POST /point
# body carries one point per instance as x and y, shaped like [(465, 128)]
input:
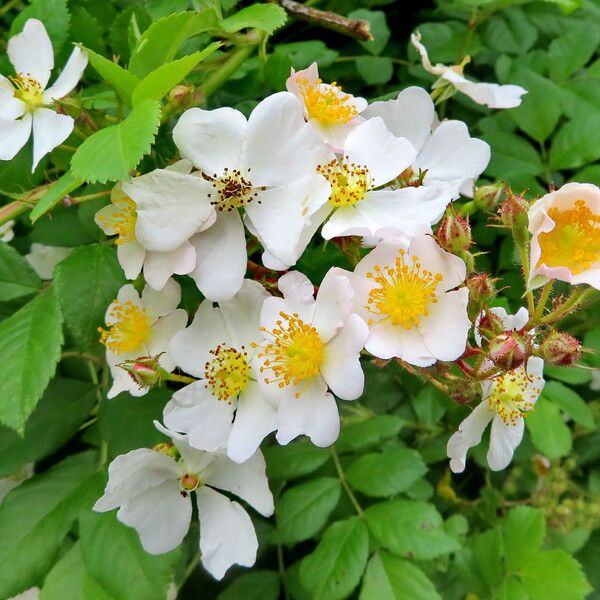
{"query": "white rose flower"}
[(489, 94), (226, 407), (139, 327), (153, 489), (43, 259), (24, 99), (309, 346), (407, 297)]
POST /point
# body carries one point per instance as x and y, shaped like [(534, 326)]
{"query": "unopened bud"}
[(189, 482), (489, 325), (481, 289), (560, 349), (464, 391), (167, 449), (513, 215), (487, 197), (145, 371), (454, 233), (510, 349), (180, 94)]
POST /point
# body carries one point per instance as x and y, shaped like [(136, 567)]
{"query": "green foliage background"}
[(378, 517)]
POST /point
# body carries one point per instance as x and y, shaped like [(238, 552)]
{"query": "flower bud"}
[(167, 449), (513, 215), (489, 325), (510, 349), (180, 94), (464, 391), (189, 482), (481, 287), (454, 233), (486, 197), (145, 371), (560, 349)]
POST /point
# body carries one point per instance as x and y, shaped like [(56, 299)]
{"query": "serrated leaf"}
[(266, 17), (54, 194), (304, 509), (334, 569), (387, 473), (294, 460), (86, 282), (549, 433), (54, 14), (111, 153), (17, 278), (36, 517), (375, 70), (160, 82), (391, 578), (159, 44), (572, 50), (30, 342), (524, 529), (371, 431), (122, 80), (257, 585), (512, 154), (509, 31), (575, 144), (410, 528)]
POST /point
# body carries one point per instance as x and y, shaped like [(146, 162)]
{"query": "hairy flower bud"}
[(560, 349), (481, 288), (510, 349), (167, 449), (486, 197), (489, 325), (513, 215), (454, 233), (145, 371)]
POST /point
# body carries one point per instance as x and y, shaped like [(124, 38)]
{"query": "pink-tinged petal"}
[(159, 266), (49, 130), (332, 304), (310, 74), (69, 77), (504, 439), (211, 139), (341, 369), (131, 257), (30, 52), (227, 536), (393, 341)]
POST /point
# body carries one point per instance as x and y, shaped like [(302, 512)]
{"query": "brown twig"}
[(358, 29)]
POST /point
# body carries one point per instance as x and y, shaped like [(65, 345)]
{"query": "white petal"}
[(247, 480), (503, 441), (332, 304), (388, 341), (10, 107), (298, 298), (161, 516), (49, 130), (206, 419), (468, 435), (221, 257), (520, 319), (14, 135), (227, 536), (255, 418), (159, 266), (211, 139), (171, 207), (43, 259), (160, 303), (131, 257), (69, 77), (314, 413), (30, 52), (162, 332), (342, 370), (489, 94), (373, 146)]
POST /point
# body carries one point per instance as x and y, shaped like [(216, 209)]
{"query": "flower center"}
[(575, 240), (404, 292), (228, 373), (29, 90), (295, 352), (512, 395), (122, 221), (188, 482), (326, 104), (349, 182), (131, 328), (232, 190)]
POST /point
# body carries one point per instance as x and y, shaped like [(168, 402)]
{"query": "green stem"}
[(190, 569), (218, 79), (542, 301), (80, 199), (82, 356), (523, 250), (281, 568), (342, 478), (568, 306), (9, 6)]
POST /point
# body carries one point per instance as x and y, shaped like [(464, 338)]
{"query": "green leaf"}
[(488, 553), (387, 473), (430, 404), (572, 49), (294, 460), (257, 585), (575, 144), (334, 569), (111, 153), (447, 42), (122, 80), (86, 282), (549, 433), (390, 578), (30, 342), (159, 44), (410, 528), (266, 17), (509, 31), (36, 517), (580, 96), (136, 575), (54, 14), (86, 30), (54, 194), (379, 29), (375, 70), (571, 403), (571, 375), (304, 509), (554, 575), (512, 154), (17, 278), (370, 432), (160, 82), (567, 6), (524, 530), (64, 406)]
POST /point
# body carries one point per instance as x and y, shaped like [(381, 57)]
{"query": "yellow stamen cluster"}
[(574, 242), (513, 394), (326, 104), (349, 182), (295, 353), (121, 222), (130, 331), (29, 90), (403, 293), (233, 190), (228, 372)]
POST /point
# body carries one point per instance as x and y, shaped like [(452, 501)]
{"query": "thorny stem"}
[(542, 301), (523, 250), (342, 478), (569, 305)]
